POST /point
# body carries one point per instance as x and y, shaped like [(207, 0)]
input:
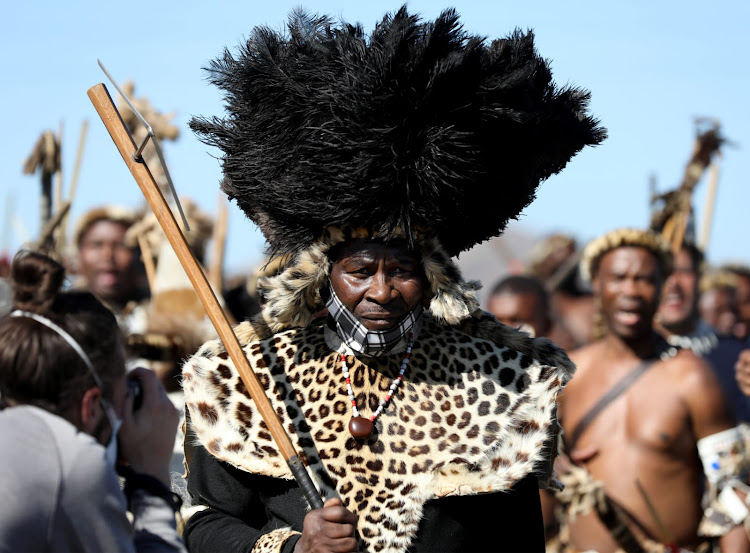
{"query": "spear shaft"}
[(106, 109)]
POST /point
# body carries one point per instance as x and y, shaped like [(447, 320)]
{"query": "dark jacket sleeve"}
[(242, 506)]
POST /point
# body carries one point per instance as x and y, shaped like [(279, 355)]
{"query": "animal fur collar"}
[(292, 298), (475, 414)]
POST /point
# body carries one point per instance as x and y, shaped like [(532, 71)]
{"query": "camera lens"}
[(137, 390)]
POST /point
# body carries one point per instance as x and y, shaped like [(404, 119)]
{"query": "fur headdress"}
[(738, 269), (114, 213), (621, 238), (718, 279), (417, 130)]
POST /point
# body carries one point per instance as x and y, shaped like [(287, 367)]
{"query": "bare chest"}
[(650, 415)]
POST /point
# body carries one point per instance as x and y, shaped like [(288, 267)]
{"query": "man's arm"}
[(248, 511), (703, 396), (236, 516), (710, 415)]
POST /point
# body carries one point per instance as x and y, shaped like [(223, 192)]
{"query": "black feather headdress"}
[(417, 131), (416, 128)]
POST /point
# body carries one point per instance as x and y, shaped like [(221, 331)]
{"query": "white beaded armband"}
[(725, 455), (726, 463)]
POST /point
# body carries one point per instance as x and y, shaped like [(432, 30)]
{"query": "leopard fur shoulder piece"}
[(475, 413), (484, 325)]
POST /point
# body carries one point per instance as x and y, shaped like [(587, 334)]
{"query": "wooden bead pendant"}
[(360, 427)]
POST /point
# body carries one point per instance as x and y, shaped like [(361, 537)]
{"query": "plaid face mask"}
[(370, 342)]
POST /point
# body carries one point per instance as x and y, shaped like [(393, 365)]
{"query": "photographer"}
[(65, 402)]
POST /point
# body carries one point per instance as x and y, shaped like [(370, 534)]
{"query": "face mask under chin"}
[(114, 423)]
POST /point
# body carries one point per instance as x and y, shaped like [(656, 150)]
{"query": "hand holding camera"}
[(149, 426), (135, 389)]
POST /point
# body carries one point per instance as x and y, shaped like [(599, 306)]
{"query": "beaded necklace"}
[(361, 427)]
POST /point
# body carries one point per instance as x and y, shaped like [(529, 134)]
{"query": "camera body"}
[(136, 389)]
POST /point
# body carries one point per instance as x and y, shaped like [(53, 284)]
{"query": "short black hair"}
[(696, 256), (522, 284)]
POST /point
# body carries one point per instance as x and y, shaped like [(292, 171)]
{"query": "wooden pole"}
[(46, 242), (708, 214), (58, 173), (124, 142), (79, 157), (218, 244), (5, 236), (74, 177), (50, 164), (666, 535), (147, 256), (59, 243)]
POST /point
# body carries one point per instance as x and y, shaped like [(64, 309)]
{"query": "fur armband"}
[(726, 463), (274, 541)]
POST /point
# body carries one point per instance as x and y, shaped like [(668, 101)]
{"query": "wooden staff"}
[(59, 244), (79, 157), (666, 535), (708, 214), (74, 180), (218, 243), (58, 182), (45, 155), (46, 242), (106, 109), (147, 256)]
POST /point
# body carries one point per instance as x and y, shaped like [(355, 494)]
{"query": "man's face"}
[(743, 305), (378, 283), (628, 284), (718, 307), (678, 307), (107, 264), (521, 310)]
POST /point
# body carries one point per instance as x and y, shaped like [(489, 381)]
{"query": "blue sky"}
[(651, 67)]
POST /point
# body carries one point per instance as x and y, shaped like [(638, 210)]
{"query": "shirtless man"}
[(742, 272), (554, 261), (642, 446), (106, 264), (717, 303), (520, 301), (678, 319)]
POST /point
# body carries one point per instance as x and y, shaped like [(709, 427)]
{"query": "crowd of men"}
[(598, 401), (633, 471), (666, 370)]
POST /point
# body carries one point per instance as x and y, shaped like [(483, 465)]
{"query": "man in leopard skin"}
[(424, 423)]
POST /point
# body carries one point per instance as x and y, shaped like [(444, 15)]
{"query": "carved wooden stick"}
[(124, 142)]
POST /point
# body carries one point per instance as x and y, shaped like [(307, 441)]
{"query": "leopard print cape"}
[(475, 413)]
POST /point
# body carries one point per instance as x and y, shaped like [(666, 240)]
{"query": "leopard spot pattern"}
[(458, 425)]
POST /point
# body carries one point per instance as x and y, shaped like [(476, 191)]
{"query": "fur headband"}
[(114, 213), (624, 237)]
